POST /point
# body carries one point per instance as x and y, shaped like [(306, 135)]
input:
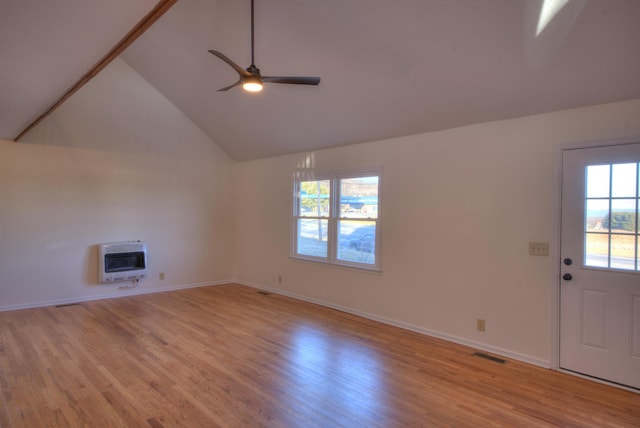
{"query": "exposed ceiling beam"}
[(136, 31)]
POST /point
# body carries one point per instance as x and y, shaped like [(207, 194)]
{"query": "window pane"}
[(624, 180), (597, 217), (622, 251), (357, 241), (336, 219), (623, 216), (596, 250), (359, 197), (312, 237), (611, 238), (314, 198), (598, 181)]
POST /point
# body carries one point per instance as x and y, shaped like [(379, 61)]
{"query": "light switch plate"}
[(538, 248)]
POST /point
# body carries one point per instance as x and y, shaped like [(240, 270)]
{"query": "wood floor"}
[(229, 356)]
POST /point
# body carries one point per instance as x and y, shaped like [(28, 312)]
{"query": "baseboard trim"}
[(113, 295), (406, 326)]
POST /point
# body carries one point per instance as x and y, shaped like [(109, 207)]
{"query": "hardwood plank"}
[(229, 356)]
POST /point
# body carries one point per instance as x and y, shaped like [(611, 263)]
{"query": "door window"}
[(611, 211)]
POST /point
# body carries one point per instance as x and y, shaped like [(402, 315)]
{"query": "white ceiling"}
[(47, 46), (388, 68)]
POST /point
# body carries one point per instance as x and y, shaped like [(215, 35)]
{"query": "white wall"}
[(116, 162), (459, 208)]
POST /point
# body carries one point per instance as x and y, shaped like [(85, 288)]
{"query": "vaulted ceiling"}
[(388, 68)]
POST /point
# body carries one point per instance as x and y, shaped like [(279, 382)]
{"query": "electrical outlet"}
[(161, 276), (538, 249), (480, 325)]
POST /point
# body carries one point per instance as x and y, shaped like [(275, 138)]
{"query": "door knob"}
[(567, 277), (567, 261)]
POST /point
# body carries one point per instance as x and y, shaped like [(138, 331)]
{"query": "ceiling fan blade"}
[(294, 80), (226, 88), (241, 71)]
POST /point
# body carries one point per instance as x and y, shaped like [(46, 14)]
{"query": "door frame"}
[(555, 247)]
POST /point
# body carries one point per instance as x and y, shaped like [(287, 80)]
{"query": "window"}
[(612, 198), (336, 219)]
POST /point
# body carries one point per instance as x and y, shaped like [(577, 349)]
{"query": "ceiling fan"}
[(251, 79)]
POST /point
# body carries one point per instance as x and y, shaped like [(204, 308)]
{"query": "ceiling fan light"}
[(252, 85)]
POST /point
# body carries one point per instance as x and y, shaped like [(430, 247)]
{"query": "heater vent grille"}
[(489, 357)]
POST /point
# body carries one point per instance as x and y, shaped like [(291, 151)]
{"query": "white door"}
[(600, 263)]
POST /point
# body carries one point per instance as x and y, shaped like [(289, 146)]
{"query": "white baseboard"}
[(406, 326), (113, 295)]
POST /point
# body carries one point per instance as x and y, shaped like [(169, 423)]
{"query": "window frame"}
[(334, 217)]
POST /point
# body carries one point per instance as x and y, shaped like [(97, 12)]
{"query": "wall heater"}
[(122, 261)]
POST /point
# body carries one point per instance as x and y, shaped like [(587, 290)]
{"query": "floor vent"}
[(67, 304), (265, 293), (489, 357)]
